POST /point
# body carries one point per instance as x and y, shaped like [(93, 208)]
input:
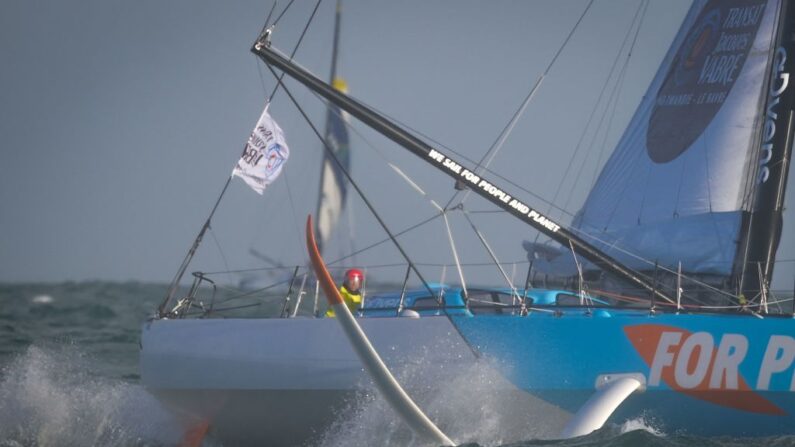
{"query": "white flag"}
[(264, 155)]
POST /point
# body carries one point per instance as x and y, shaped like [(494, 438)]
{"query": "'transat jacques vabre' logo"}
[(702, 74)]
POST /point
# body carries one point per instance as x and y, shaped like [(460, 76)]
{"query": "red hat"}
[(353, 273)]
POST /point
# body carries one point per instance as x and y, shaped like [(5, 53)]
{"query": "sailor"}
[(350, 291), (743, 302)]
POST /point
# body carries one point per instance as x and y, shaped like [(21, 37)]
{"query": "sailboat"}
[(718, 117)]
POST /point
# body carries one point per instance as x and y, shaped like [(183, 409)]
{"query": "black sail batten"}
[(485, 188), (765, 221)]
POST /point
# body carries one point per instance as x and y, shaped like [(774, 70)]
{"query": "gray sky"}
[(121, 120)]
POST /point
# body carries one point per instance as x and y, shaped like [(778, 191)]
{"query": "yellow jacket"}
[(352, 300)]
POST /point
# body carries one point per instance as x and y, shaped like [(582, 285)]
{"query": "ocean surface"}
[(69, 377)]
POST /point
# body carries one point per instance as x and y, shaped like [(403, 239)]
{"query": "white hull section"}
[(286, 381), (291, 354)]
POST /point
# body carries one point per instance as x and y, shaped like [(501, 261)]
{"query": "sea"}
[(69, 377)]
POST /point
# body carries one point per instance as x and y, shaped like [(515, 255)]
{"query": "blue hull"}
[(705, 374)]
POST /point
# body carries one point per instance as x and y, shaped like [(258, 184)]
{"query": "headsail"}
[(684, 173)]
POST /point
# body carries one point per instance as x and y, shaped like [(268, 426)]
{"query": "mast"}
[(763, 231), (485, 188), (335, 46)]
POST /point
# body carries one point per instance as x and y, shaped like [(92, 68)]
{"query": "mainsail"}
[(332, 181), (682, 181)]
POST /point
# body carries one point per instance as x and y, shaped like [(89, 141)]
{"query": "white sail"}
[(675, 188)]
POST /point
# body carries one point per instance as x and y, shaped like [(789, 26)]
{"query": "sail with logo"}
[(685, 183)]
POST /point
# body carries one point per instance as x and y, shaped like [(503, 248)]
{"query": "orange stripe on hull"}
[(646, 338)]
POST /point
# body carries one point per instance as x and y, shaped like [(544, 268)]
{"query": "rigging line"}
[(585, 234), (172, 288), (622, 77), (592, 115), (403, 175), (610, 113), (270, 98), (375, 244), (443, 212), (491, 254), (221, 252), (295, 50), (441, 145), (183, 267), (253, 269), (367, 142), (487, 211), (283, 11), (455, 252), (394, 167), (500, 140), (605, 112), (261, 77), (471, 264), (369, 266), (292, 209), (333, 156), (254, 292), (612, 98), (633, 167), (432, 140), (268, 19)]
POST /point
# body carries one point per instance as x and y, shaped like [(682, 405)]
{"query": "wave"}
[(51, 397)]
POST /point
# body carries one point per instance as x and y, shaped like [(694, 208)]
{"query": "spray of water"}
[(641, 423), (49, 397), (475, 404)]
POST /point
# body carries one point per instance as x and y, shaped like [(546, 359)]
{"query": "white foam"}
[(48, 397), (42, 299), (476, 405), (640, 423)]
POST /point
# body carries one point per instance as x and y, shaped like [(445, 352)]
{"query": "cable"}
[(298, 44), (333, 156), (498, 142), (283, 11)]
